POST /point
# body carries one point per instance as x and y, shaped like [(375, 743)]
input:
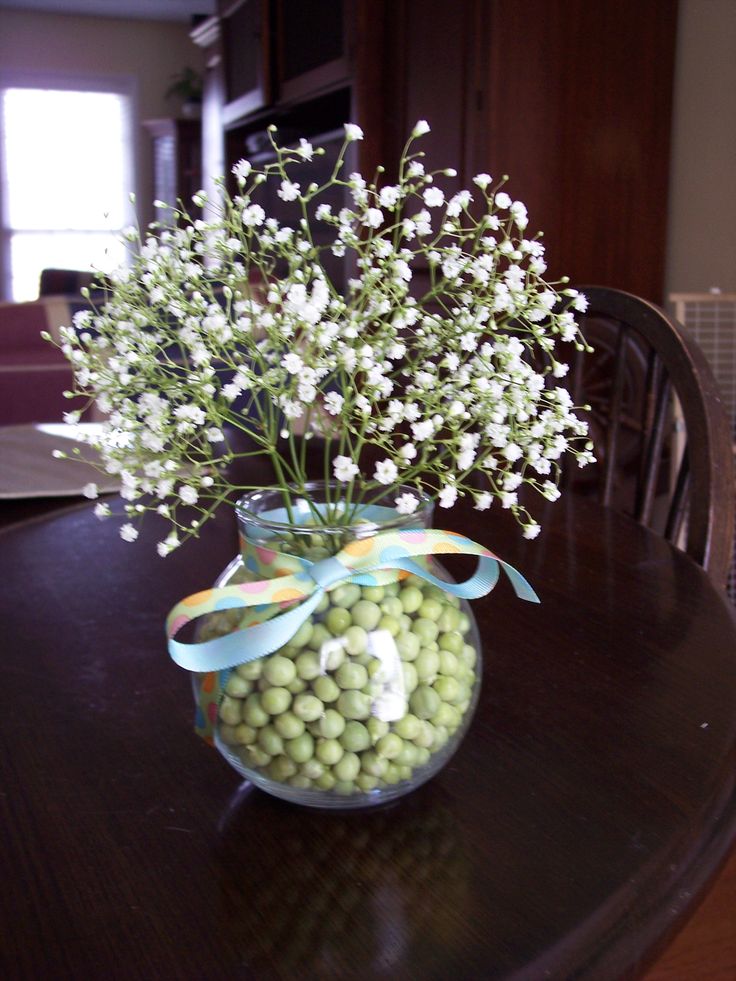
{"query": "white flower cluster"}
[(439, 361)]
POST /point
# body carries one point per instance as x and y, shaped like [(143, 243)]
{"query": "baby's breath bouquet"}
[(437, 361)]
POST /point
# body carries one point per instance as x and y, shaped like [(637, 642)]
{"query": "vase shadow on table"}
[(348, 894)]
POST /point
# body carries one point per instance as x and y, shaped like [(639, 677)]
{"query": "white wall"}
[(149, 51), (701, 251)]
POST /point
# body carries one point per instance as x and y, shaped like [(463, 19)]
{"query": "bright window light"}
[(67, 175)]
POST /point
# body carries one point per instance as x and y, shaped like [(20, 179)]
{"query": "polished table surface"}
[(587, 809)]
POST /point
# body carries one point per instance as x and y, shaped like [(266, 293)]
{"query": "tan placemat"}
[(28, 468)]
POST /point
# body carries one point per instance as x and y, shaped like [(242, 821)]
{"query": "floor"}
[(705, 950)]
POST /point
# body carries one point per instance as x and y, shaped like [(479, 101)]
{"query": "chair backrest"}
[(663, 440)]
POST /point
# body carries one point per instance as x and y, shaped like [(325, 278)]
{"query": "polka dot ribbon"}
[(279, 605)]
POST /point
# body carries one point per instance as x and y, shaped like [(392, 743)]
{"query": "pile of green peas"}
[(309, 716)]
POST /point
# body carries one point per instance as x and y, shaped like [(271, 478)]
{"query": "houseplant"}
[(231, 324)]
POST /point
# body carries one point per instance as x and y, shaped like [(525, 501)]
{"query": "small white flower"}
[(531, 530), (188, 494), (483, 501), (373, 218), (305, 149), (292, 362), (215, 435), (253, 215), (334, 403), (101, 510), (344, 469), (502, 200), (353, 132), (241, 169), (448, 496), (288, 191), (128, 533), (434, 197), (421, 128), (90, 491), (408, 451), (407, 503), (386, 472), (482, 181)]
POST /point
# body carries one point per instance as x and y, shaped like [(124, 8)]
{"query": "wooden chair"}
[(663, 440)]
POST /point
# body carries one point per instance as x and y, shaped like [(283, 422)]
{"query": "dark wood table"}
[(589, 806)]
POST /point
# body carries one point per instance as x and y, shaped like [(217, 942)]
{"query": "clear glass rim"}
[(250, 507)]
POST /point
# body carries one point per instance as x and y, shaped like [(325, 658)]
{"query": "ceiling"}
[(181, 10)]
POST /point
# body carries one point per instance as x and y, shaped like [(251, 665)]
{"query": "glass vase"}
[(373, 694)]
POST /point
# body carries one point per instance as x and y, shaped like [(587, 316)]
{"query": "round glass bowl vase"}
[(373, 694)]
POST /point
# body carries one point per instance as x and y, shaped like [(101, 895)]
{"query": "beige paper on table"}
[(28, 468)]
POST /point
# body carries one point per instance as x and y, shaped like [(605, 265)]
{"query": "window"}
[(66, 166)]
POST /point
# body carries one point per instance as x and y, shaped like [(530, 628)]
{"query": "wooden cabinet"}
[(177, 162), (571, 99)]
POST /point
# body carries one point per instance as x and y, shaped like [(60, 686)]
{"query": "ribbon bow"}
[(368, 562)]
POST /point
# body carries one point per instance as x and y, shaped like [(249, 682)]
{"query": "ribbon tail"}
[(244, 645)]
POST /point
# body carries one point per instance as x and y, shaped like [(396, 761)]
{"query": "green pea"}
[(464, 623), (451, 641), (245, 735), (331, 725), (296, 686), (447, 688), (446, 715), (238, 687), (431, 609), (303, 634), (307, 707), (345, 595), (411, 599), (448, 619), (328, 751), (276, 700), (281, 768), (312, 768), (338, 620), (355, 737), (301, 748), (325, 781), (407, 727), (373, 764), (441, 735), (389, 746), (307, 665), (389, 623), (376, 728), (366, 614), (279, 670), (366, 782), (427, 665), (426, 630), (408, 755), (227, 734), (423, 756), (300, 781), (424, 702), (320, 635), (324, 604), (254, 713), (326, 688), (355, 640), (351, 675), (404, 772), (344, 787), (408, 646), (448, 662), (288, 725), (390, 606), (270, 741), (354, 704), (411, 678), (374, 593), (392, 774), (254, 756), (347, 767), (469, 655), (251, 671), (231, 710), (425, 737)]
